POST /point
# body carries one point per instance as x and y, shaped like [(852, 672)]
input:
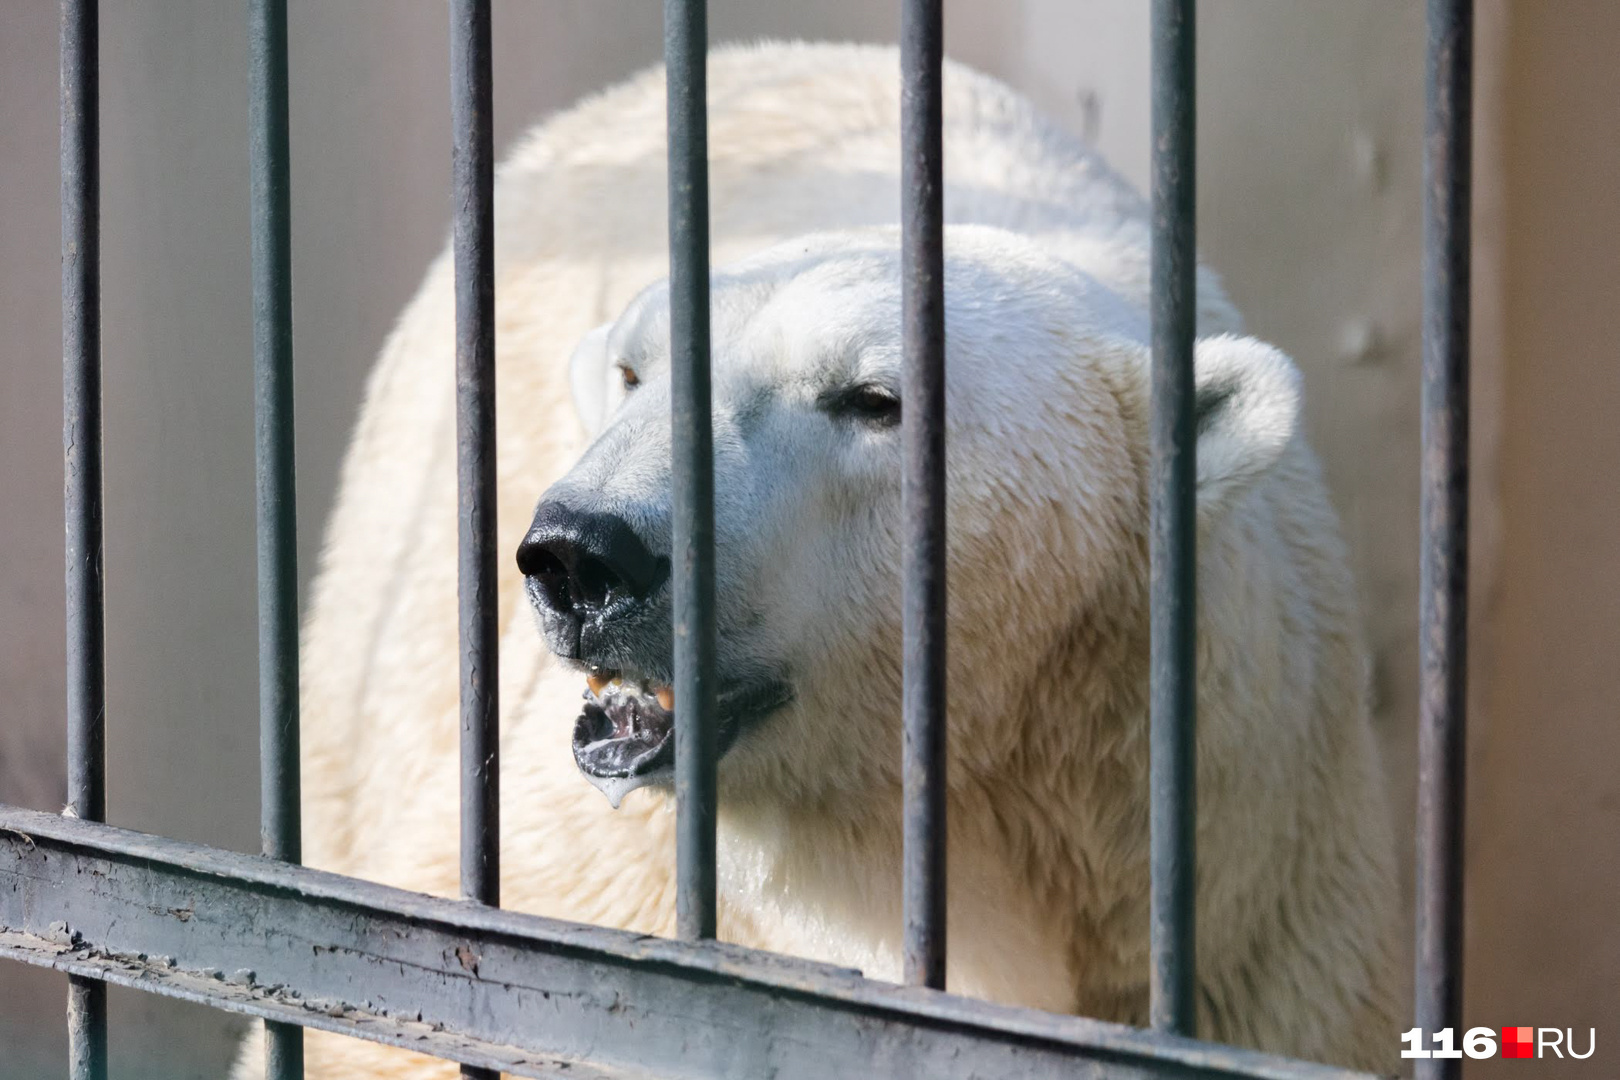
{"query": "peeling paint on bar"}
[(344, 955), (279, 1003)]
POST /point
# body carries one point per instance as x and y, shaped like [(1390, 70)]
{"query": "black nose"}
[(582, 562)]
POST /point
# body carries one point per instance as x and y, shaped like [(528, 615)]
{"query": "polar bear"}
[(1046, 286)]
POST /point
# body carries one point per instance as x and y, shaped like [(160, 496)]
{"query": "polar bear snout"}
[(586, 568)]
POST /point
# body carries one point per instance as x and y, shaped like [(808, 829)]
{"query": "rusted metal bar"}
[(280, 826), (922, 232), (82, 484), (692, 573), (1173, 695), (527, 995), (473, 200), (1443, 568)]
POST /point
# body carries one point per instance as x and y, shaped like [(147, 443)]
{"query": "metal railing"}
[(464, 981)]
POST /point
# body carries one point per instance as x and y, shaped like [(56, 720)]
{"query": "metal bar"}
[(473, 184), (279, 813), (81, 435), (1173, 525), (82, 485), (474, 188), (505, 990), (696, 800), (922, 241), (87, 1026), (1443, 615)]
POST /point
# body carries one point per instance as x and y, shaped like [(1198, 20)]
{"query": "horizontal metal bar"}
[(215, 989), (517, 992)]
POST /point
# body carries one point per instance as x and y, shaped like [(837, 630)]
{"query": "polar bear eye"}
[(867, 403), (629, 377)]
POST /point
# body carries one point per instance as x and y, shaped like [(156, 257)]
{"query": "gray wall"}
[(1309, 204)]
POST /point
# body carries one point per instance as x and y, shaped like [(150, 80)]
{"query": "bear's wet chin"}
[(625, 737)]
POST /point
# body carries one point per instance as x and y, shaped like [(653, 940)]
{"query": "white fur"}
[(1048, 412)]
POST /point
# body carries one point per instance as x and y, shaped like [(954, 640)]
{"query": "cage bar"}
[(473, 183), (692, 570), (82, 485), (922, 284), (269, 168), (498, 991), (1173, 525), (473, 198), (1443, 570)]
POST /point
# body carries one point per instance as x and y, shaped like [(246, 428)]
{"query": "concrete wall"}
[(1309, 204)]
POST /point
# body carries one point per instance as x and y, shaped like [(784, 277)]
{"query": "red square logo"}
[(1518, 1042)]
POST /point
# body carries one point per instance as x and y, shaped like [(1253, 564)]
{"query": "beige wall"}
[(1309, 204), (1544, 848)]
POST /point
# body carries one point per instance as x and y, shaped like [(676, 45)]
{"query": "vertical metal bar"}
[(1443, 616), (87, 1029), (279, 813), (922, 241), (685, 58), (473, 188), (1173, 526), (473, 181), (473, 184), (81, 442), (81, 488), (273, 428)]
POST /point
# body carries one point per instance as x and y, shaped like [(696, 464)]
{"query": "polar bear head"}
[(1047, 391)]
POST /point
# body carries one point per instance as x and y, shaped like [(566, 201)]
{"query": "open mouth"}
[(625, 735)]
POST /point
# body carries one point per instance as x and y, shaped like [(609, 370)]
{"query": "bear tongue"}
[(624, 740)]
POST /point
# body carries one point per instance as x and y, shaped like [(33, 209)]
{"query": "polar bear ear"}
[(1246, 404), (588, 372)]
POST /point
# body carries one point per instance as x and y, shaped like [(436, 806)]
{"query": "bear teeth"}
[(600, 679)]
